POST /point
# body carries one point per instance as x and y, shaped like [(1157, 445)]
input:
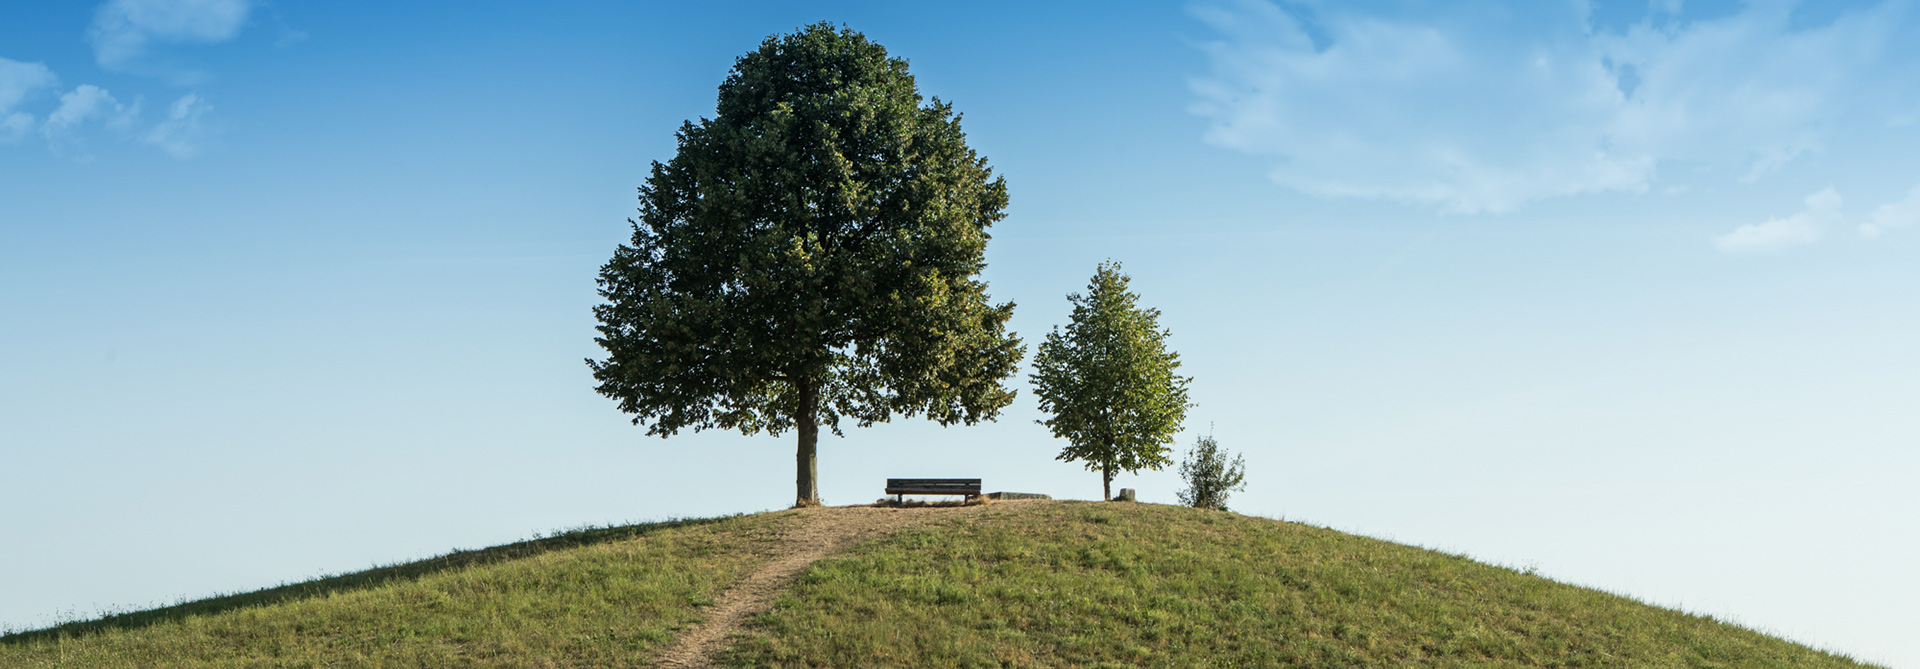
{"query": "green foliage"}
[(810, 253), (1063, 584), (1210, 476), (609, 597), (1109, 381)]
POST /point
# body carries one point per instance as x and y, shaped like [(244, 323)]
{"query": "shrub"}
[(1209, 476)]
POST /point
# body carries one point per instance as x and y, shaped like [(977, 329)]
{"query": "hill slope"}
[(1006, 584)]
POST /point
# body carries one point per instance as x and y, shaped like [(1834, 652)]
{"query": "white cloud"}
[(1823, 211), (1478, 109), (1894, 215), (84, 103), (180, 134), (1748, 88), (18, 81), (124, 30)]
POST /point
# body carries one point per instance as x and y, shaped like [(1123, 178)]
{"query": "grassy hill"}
[(1022, 584)]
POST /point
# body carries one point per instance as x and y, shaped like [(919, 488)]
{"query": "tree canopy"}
[(810, 253), (1109, 381)]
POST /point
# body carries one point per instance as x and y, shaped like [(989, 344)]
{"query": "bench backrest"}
[(933, 486)]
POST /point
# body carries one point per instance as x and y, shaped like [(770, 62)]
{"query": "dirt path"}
[(819, 532)]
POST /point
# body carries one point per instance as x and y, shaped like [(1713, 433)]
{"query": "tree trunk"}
[(1106, 482), (806, 481)]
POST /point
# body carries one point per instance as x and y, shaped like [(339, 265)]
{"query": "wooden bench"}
[(899, 488)]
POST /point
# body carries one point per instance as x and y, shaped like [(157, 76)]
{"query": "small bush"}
[(1209, 476)]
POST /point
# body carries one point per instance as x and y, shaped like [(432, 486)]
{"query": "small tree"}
[(1109, 381), (1209, 476), (811, 252)]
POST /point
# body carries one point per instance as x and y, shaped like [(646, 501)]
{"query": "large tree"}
[(1109, 381), (810, 253)]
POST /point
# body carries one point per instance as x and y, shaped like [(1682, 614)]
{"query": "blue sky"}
[(1624, 292)]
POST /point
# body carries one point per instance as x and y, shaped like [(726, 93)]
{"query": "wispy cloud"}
[(124, 36), (84, 103), (18, 81), (66, 127), (1489, 107), (124, 31), (180, 134), (1823, 211), (1893, 215), (77, 108)]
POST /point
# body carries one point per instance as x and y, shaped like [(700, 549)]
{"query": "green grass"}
[(1122, 585), (1017, 584), (601, 597)]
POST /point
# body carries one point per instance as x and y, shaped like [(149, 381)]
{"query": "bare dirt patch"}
[(817, 533)]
